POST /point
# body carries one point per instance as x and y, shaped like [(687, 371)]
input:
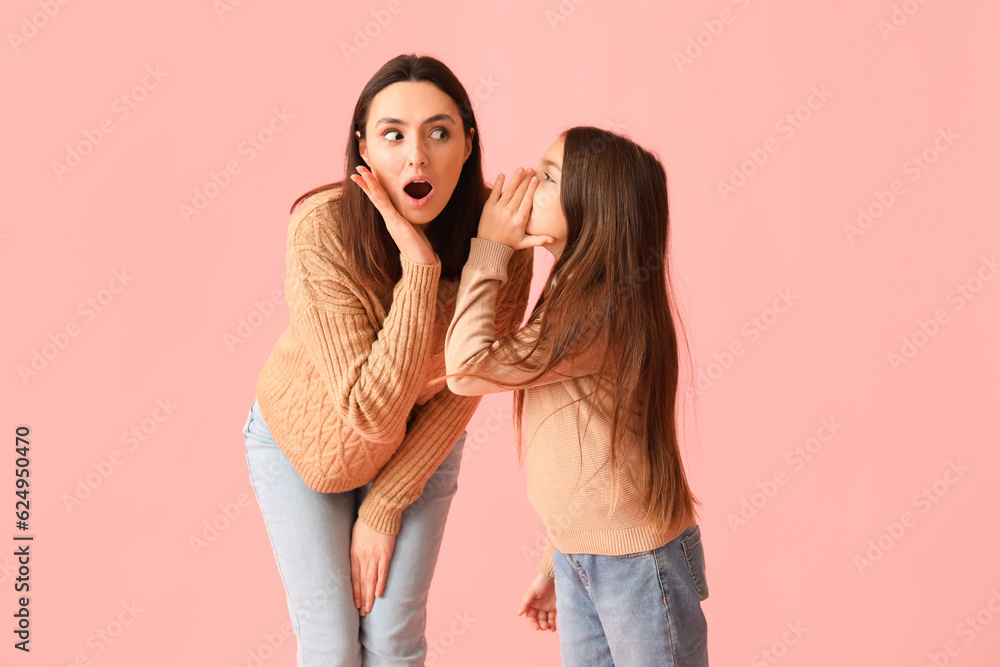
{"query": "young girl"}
[(595, 371)]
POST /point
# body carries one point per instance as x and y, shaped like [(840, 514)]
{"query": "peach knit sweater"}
[(568, 434), (346, 391)]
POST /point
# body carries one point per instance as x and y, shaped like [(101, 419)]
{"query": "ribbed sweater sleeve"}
[(437, 426), (428, 441), (373, 374), (474, 347)]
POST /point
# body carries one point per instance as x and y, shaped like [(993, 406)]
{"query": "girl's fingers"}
[(531, 241), (527, 198), (497, 190), (517, 199), (515, 179)]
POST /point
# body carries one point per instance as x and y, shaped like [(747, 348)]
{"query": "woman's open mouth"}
[(418, 192)]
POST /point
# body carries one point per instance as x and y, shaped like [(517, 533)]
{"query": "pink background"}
[(165, 331)]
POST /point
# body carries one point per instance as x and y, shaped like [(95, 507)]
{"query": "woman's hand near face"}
[(411, 240), (506, 213)]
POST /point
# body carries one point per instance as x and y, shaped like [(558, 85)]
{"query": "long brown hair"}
[(372, 253), (610, 279)]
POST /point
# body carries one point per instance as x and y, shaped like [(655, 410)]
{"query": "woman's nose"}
[(417, 155)]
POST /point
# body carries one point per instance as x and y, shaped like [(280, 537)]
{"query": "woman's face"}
[(547, 216), (415, 144)]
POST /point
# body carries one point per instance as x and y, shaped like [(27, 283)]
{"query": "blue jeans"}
[(637, 610), (310, 535)]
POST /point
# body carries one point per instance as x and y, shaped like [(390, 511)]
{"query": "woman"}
[(353, 451)]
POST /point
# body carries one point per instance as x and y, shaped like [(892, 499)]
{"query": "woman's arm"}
[(428, 441), (372, 373)]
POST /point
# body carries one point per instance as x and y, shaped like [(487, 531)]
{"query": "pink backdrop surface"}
[(832, 171)]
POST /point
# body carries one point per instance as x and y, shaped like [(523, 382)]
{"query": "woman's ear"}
[(362, 146), (468, 143)]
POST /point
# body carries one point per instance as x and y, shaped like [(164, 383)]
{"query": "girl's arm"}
[(471, 344), (438, 424)]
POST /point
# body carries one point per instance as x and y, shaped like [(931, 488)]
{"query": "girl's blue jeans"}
[(637, 610), (310, 535)]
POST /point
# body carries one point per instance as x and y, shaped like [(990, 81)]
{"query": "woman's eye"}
[(439, 133), (548, 178), (393, 135)]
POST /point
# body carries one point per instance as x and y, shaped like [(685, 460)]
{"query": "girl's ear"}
[(468, 143), (362, 146)]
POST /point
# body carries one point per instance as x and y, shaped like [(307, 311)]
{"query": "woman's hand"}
[(506, 213), (371, 552), (411, 240), (539, 603)]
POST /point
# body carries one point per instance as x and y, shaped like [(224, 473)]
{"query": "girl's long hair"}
[(611, 278), (372, 253)]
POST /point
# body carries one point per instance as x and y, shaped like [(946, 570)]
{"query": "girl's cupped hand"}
[(505, 216)]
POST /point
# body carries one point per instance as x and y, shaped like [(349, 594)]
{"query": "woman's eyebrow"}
[(433, 119), (550, 163)]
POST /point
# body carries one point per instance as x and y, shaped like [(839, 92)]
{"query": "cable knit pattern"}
[(346, 389), (568, 433)]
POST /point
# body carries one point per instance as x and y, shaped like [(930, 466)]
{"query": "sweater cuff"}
[(420, 276), (380, 518), (490, 257)]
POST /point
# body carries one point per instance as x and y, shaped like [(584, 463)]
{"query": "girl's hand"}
[(411, 240), (371, 552), (539, 603), (506, 213)]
